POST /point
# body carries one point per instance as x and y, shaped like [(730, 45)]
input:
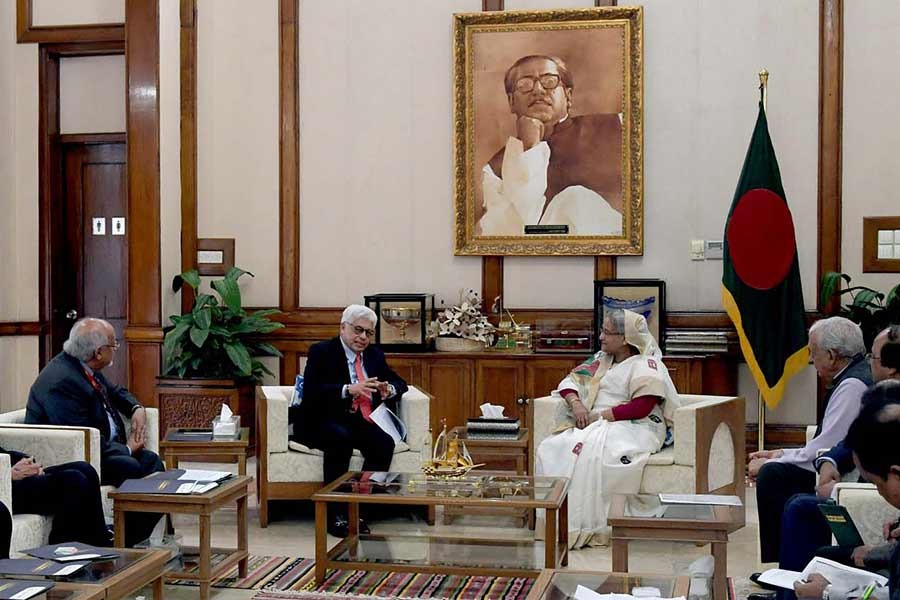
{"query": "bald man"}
[(71, 390)]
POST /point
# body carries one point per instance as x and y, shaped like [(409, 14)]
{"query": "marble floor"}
[(291, 533)]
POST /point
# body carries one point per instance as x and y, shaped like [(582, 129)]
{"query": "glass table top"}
[(479, 486), (564, 583)]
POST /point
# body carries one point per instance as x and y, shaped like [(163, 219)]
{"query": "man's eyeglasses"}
[(114, 345), (549, 81), (871, 356), (362, 330)]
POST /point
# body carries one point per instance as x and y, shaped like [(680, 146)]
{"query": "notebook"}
[(842, 526)]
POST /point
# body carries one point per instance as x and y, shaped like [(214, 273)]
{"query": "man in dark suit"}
[(71, 390), (344, 381), (69, 492)]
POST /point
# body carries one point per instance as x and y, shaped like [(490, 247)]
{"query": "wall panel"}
[(92, 94), (169, 158), (237, 136), (46, 13), (871, 129), (376, 158)]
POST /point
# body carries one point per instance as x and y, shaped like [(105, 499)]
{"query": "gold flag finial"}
[(764, 86)]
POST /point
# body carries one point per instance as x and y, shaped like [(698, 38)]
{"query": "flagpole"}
[(761, 420)]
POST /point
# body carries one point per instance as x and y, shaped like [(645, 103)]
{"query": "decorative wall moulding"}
[(881, 245), (215, 255)]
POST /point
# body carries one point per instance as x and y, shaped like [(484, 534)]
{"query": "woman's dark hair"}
[(873, 435)]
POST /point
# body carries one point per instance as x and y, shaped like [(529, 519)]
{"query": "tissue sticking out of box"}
[(226, 424), (491, 411)]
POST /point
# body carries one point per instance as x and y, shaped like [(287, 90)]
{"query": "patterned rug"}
[(291, 578), (283, 577)]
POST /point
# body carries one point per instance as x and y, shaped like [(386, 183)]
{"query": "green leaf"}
[(264, 349), (230, 292), (235, 273), (202, 318), (867, 297), (239, 357), (198, 336), (265, 313), (202, 300), (171, 341), (831, 283)]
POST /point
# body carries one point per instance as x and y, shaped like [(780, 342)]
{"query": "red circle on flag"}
[(761, 239)]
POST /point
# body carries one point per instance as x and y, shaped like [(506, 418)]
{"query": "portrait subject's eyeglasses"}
[(114, 346), (362, 330), (549, 81), (871, 356), (607, 332)]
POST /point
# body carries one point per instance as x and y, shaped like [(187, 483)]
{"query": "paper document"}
[(584, 593), (846, 577), (780, 577), (389, 423), (203, 475), (700, 499)]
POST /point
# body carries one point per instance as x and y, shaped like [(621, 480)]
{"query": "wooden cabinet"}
[(461, 382)]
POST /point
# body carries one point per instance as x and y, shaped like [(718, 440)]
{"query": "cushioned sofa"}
[(53, 445), (708, 453), (286, 470)]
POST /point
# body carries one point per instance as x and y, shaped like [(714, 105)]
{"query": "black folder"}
[(38, 567), (72, 551), (10, 589)]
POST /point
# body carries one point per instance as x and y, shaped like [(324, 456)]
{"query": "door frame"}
[(50, 168)]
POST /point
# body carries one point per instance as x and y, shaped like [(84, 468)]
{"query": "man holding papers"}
[(873, 440), (345, 381)]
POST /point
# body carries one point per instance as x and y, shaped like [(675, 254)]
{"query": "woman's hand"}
[(607, 414), (579, 411)]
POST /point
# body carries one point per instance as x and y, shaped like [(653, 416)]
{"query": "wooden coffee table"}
[(208, 449), (202, 505), (558, 584), (433, 553), (113, 579), (642, 517)]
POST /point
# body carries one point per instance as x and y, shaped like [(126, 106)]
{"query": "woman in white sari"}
[(618, 403)]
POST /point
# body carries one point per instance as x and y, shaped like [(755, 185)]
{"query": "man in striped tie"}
[(345, 379)]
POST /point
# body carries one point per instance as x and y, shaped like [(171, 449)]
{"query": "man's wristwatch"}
[(826, 593)]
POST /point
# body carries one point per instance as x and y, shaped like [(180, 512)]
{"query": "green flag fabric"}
[(761, 289)]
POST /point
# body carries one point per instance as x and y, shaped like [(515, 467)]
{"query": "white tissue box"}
[(228, 428)]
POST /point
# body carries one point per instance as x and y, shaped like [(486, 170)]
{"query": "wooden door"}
[(449, 381), (90, 238), (501, 381)]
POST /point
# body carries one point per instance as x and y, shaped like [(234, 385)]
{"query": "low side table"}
[(202, 505), (206, 447), (643, 517), (556, 584)]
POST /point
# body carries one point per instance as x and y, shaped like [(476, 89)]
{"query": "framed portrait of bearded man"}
[(549, 132)]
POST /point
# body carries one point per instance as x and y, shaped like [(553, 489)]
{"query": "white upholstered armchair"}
[(53, 445), (708, 453), (286, 470)]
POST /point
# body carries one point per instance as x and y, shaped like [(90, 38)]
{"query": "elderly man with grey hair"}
[(345, 379), (837, 351), (71, 390)]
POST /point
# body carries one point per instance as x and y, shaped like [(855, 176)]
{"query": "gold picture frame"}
[(574, 202)]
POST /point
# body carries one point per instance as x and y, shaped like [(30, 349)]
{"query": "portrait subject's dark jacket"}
[(325, 376), (62, 395)]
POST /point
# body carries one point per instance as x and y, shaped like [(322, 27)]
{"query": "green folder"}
[(842, 526)]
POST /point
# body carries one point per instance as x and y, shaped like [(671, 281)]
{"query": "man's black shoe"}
[(754, 577), (363, 527), (761, 596), (338, 526)]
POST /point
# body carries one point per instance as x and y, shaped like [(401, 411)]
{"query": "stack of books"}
[(492, 429)]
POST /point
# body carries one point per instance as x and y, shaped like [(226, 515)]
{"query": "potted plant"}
[(462, 327), (870, 309), (210, 355)]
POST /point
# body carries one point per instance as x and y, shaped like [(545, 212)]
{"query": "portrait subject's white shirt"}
[(517, 199)]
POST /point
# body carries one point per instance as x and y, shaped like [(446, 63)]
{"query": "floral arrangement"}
[(464, 320)]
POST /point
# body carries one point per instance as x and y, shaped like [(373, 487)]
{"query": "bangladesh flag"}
[(761, 288)]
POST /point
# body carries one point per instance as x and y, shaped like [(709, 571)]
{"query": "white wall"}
[(376, 151), (871, 130), (78, 12), (92, 94), (169, 152), (237, 136)]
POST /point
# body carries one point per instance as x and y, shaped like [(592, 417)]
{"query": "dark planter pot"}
[(194, 403)]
